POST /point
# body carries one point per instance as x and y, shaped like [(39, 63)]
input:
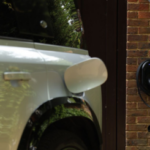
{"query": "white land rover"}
[(50, 96)]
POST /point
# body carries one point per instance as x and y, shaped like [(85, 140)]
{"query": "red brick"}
[(131, 30), (143, 135), (142, 105), (131, 105), (131, 45), (143, 15), (131, 84), (136, 112), (136, 142), (144, 45), (137, 53), (133, 98), (136, 49), (132, 15), (148, 142), (149, 53), (148, 99), (143, 119), (143, 1), (137, 37), (132, 0), (148, 112), (144, 30), (136, 127), (137, 23), (132, 148), (143, 95), (132, 61), (130, 120), (143, 148), (138, 7), (143, 7), (140, 60), (130, 75), (131, 91), (131, 68), (131, 135)]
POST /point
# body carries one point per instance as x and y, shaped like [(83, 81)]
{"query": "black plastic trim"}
[(43, 109), (15, 39)]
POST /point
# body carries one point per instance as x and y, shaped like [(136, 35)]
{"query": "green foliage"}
[(62, 112), (65, 23)]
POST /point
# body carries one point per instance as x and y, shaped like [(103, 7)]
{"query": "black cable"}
[(139, 85), (142, 98)]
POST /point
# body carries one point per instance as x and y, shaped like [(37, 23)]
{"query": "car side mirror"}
[(85, 75)]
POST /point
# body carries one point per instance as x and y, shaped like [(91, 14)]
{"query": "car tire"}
[(61, 140)]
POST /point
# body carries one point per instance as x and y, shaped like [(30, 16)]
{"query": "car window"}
[(55, 22)]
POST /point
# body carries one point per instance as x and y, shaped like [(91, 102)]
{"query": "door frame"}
[(105, 31)]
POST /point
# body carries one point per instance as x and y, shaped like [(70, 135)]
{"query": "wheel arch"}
[(44, 113)]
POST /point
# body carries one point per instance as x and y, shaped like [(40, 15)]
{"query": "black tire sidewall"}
[(58, 140)]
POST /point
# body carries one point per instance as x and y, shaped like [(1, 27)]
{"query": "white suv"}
[(50, 96)]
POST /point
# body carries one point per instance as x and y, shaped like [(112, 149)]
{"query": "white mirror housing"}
[(85, 75)]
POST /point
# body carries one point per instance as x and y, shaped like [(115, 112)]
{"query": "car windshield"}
[(55, 22)]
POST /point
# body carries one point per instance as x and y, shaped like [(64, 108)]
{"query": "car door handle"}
[(16, 76)]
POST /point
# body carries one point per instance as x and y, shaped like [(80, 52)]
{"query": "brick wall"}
[(138, 50)]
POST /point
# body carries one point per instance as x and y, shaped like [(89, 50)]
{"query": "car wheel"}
[(61, 140)]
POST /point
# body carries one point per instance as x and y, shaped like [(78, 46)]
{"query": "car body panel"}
[(94, 99), (19, 99), (56, 48), (56, 64)]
